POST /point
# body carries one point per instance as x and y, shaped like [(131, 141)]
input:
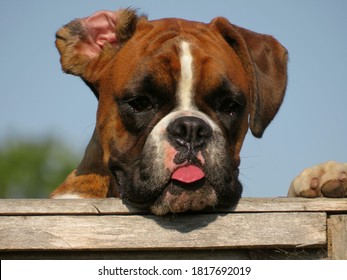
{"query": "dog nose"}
[(191, 132)]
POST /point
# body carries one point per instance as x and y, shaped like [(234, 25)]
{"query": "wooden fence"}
[(259, 228)]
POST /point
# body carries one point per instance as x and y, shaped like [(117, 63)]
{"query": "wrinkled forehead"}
[(172, 54)]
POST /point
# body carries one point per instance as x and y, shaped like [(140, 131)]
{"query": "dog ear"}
[(265, 61), (85, 43)]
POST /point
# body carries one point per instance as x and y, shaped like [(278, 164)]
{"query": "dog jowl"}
[(175, 101)]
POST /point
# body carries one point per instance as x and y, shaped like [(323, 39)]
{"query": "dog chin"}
[(164, 192), (181, 197)]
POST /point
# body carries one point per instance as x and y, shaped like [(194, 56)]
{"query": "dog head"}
[(175, 101)]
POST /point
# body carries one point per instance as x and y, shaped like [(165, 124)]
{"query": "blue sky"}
[(38, 99)]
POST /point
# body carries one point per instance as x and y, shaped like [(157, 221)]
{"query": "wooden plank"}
[(66, 207), (199, 231), (116, 206), (296, 204), (337, 237)]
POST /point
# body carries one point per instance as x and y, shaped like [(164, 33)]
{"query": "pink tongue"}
[(188, 174)]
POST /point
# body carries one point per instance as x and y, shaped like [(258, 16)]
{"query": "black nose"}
[(190, 132)]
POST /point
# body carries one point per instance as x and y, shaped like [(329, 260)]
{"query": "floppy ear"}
[(86, 44), (265, 61)]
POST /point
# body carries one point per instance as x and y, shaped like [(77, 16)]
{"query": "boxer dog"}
[(175, 101)]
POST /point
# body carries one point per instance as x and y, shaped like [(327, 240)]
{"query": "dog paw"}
[(328, 179)]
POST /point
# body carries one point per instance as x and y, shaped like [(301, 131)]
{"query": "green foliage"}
[(33, 168)]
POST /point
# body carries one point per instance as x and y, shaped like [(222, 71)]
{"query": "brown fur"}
[(262, 73)]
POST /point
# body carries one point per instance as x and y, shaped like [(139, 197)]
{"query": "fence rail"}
[(258, 228)]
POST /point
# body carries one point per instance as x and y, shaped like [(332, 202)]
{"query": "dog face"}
[(175, 102)]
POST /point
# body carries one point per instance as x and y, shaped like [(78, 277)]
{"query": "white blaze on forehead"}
[(185, 86), (185, 106)]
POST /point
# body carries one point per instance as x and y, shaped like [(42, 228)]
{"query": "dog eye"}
[(140, 104), (228, 108)]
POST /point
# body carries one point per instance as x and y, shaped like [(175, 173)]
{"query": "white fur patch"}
[(185, 88)]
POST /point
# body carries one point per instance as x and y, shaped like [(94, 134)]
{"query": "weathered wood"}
[(337, 237), (259, 228), (200, 231), (116, 206), (284, 204)]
